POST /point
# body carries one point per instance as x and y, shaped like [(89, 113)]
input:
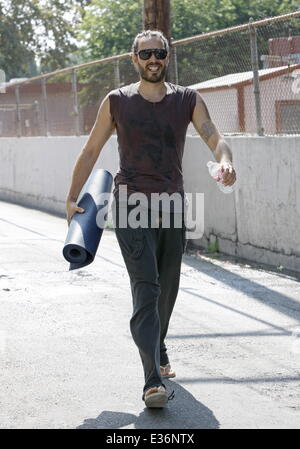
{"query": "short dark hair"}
[(149, 34)]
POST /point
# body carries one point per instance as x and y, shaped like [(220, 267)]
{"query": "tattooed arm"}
[(211, 136)]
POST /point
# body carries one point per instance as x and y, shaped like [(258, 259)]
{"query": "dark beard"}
[(152, 78)]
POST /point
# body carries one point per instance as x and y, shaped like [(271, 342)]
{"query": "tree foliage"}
[(16, 58), (230, 53), (58, 33), (190, 17), (38, 31), (109, 27)]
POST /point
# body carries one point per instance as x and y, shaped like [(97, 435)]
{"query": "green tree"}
[(190, 17), (217, 56), (38, 32), (108, 28), (16, 59)]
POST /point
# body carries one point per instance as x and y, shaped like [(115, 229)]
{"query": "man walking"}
[(151, 119)]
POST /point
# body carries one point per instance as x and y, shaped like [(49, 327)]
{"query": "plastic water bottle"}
[(215, 171)]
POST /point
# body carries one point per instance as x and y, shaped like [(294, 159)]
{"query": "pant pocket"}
[(131, 241)]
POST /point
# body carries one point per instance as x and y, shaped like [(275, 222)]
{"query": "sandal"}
[(166, 371), (155, 397)]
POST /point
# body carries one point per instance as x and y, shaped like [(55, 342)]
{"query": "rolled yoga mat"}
[(85, 229)]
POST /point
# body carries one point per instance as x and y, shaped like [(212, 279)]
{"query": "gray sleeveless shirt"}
[(151, 138)]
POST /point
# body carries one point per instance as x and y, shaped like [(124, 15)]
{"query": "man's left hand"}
[(229, 175)]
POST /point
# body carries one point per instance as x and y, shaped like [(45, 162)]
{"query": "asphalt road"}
[(68, 361)]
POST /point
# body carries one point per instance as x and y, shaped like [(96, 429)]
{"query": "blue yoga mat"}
[(85, 229)]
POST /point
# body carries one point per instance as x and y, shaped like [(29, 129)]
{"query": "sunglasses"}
[(159, 53)]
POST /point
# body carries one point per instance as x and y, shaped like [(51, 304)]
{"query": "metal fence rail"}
[(249, 76)]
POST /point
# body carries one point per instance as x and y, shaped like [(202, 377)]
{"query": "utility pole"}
[(157, 16)]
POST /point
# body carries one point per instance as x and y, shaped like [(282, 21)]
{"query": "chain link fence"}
[(248, 75)]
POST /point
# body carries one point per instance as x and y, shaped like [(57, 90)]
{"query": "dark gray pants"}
[(153, 260)]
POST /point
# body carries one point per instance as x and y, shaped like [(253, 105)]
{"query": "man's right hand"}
[(71, 208)]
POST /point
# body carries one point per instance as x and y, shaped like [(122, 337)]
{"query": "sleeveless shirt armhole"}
[(193, 97), (112, 104)]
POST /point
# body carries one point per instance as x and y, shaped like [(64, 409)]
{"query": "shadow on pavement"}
[(242, 380), (183, 412), (261, 293)]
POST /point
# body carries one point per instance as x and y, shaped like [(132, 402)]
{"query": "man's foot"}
[(155, 397), (166, 371)]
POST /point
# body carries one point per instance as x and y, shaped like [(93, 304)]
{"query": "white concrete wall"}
[(260, 221), (36, 171)]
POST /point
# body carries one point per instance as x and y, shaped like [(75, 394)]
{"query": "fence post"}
[(117, 73), (254, 63), (36, 127), (174, 57), (75, 102), (45, 106), (18, 111)]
